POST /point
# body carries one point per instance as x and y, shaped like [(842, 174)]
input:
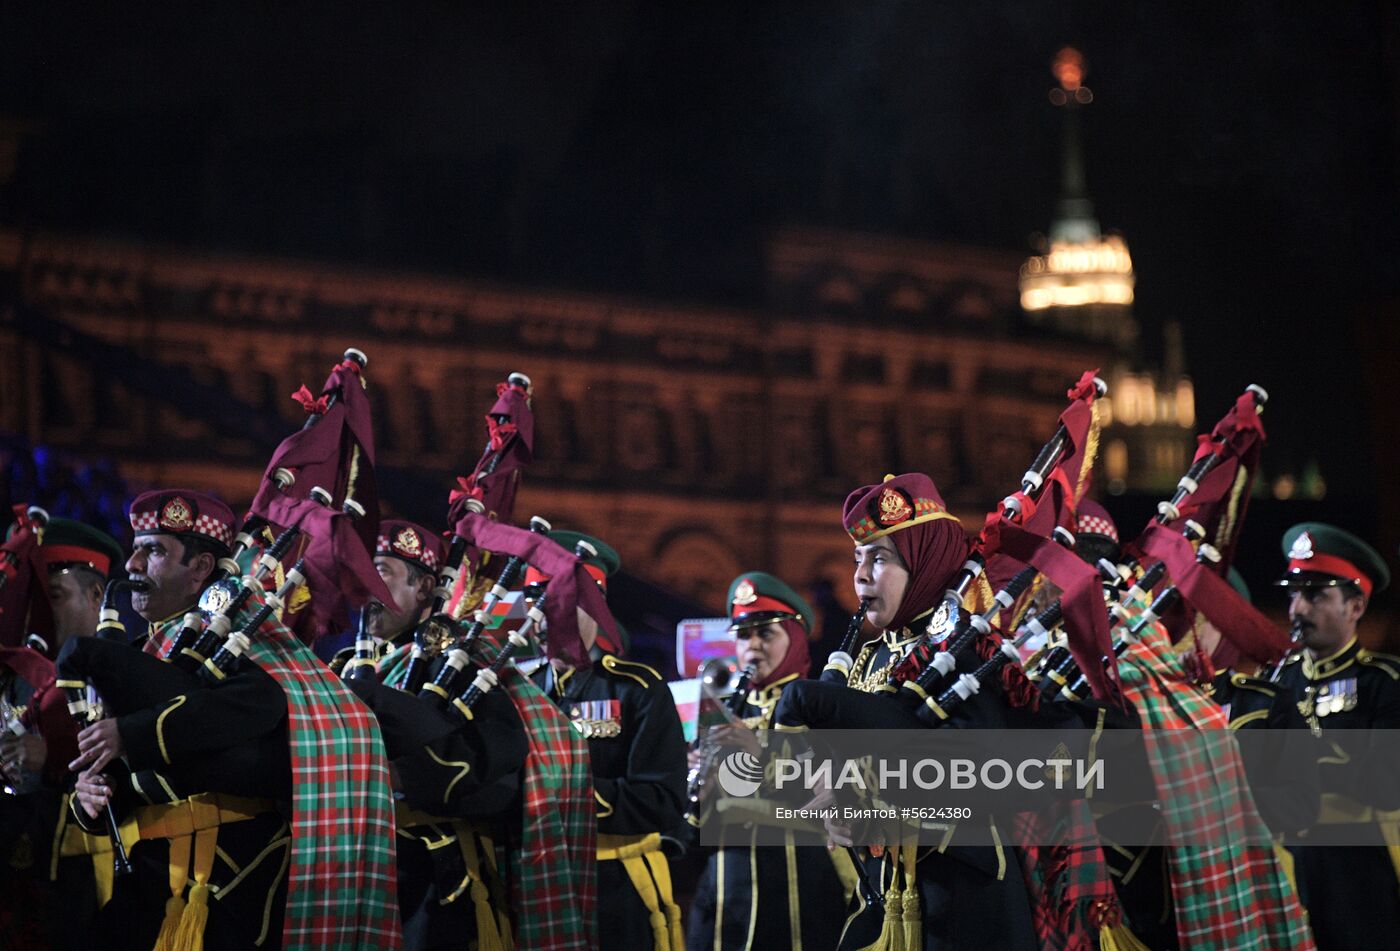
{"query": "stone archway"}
[(695, 563)]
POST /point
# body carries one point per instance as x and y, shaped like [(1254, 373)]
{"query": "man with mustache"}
[(228, 851), (1352, 894)]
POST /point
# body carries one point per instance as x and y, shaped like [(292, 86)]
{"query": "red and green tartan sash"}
[(1071, 890), (392, 665), (1231, 893), (553, 874), (341, 886)]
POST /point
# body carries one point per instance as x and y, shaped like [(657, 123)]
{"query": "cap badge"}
[(176, 515), (1302, 548), (894, 507), (744, 593), (407, 542)]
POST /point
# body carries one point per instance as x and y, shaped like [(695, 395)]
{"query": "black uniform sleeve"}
[(650, 797), (247, 705), (473, 772), (406, 722), (448, 767), (1280, 759)]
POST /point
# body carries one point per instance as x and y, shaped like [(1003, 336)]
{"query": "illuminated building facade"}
[(700, 441)]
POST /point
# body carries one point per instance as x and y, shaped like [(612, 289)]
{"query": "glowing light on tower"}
[(1083, 266)]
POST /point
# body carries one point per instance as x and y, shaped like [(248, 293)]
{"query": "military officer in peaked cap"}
[(758, 895), (72, 563), (1352, 893), (637, 749)]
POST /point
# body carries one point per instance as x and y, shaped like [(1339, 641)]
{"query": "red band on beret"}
[(534, 576), (759, 604), (1332, 565), (54, 554)]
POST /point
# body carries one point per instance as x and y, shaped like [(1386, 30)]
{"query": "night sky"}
[(1247, 154)]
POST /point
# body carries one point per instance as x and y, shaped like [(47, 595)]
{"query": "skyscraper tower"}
[(1083, 286)]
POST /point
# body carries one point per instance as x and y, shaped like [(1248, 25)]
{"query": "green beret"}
[(1324, 555), (67, 542), (607, 558), (756, 597)]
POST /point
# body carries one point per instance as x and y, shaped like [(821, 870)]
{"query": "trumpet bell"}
[(720, 675)]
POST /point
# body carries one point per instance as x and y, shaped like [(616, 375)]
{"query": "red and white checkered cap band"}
[(215, 529), (145, 522), (222, 532), (427, 557), (1095, 525)]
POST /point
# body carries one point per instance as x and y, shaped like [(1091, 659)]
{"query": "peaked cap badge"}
[(1302, 548), (744, 593)]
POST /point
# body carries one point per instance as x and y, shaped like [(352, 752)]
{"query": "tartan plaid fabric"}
[(392, 665), (341, 884), (553, 873), (1231, 893), (1071, 891)]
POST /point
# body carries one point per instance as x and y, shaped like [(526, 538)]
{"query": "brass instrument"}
[(718, 680)]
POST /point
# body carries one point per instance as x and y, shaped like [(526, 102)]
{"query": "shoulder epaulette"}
[(613, 664), (1386, 662), (1245, 682)]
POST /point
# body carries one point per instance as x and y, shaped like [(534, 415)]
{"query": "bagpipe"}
[(104, 676), (952, 632), (444, 642), (440, 633), (444, 684), (1194, 563)]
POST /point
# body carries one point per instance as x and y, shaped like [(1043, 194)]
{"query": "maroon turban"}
[(931, 541)]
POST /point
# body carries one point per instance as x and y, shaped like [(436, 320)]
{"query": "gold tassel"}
[(1119, 938), (174, 909), (913, 917), (892, 929), (1091, 452), (913, 924), (190, 936), (487, 937), (661, 937)]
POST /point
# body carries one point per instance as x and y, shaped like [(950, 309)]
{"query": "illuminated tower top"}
[(1083, 270)]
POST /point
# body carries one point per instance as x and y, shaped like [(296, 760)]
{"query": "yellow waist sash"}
[(191, 826), (650, 874), (482, 881)]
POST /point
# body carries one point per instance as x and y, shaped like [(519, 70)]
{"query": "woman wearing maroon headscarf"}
[(767, 896), (908, 548)]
